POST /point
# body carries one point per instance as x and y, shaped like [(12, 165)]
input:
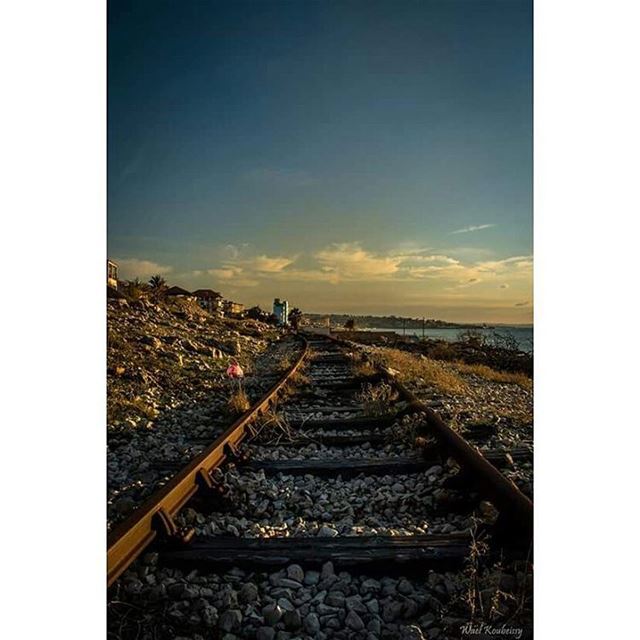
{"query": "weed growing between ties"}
[(414, 428), (238, 402), (273, 428), (299, 378), (377, 399)]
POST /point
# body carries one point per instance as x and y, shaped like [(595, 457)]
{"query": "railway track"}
[(338, 506)]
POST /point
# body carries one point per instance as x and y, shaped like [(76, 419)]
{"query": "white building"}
[(112, 274), (281, 311)]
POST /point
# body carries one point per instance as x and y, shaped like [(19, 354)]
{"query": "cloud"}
[(350, 270), (266, 264), (473, 228), (238, 269), (523, 264), (131, 268), (349, 261), (526, 303), (224, 273)]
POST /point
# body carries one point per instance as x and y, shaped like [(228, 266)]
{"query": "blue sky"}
[(359, 157)]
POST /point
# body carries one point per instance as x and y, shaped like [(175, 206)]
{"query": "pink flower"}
[(234, 370)]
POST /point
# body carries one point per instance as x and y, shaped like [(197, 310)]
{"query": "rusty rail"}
[(516, 509), (133, 535)]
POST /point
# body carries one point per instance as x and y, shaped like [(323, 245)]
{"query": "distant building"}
[(112, 274), (177, 292), (281, 311), (232, 308), (209, 300)]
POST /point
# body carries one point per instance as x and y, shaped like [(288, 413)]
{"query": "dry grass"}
[(488, 373), (364, 369), (143, 408), (274, 428), (119, 408), (238, 402), (376, 400), (286, 362), (484, 598), (410, 367), (299, 378), (446, 376)]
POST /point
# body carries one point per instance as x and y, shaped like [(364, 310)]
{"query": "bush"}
[(473, 337), (238, 402)]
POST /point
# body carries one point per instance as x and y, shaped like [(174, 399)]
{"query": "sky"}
[(351, 157)]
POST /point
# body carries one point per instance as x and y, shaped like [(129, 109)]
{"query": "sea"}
[(523, 335)]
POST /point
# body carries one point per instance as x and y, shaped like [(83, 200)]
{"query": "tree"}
[(256, 313), (295, 315), (135, 288), (157, 285), (157, 282), (350, 324)]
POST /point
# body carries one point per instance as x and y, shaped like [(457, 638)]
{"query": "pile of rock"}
[(311, 506), (291, 603), (166, 386)]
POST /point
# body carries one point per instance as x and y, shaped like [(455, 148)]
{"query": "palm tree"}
[(158, 285), (295, 315), (135, 288), (157, 282)]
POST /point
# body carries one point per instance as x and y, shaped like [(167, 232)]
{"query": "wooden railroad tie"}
[(388, 552), (361, 423), (351, 467)]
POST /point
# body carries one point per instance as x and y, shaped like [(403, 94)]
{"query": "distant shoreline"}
[(398, 322)]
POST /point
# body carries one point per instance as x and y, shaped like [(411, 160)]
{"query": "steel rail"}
[(516, 509), (133, 535)]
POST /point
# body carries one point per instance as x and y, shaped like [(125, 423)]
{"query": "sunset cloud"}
[(473, 228), (131, 268), (357, 274), (350, 261), (266, 264)]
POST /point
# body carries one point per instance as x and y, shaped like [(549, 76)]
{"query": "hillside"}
[(166, 386)]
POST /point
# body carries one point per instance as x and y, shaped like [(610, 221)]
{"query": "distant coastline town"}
[(215, 303)]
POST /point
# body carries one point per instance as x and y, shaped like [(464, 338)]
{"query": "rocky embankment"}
[(492, 415), (292, 604), (167, 390), (319, 601)]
